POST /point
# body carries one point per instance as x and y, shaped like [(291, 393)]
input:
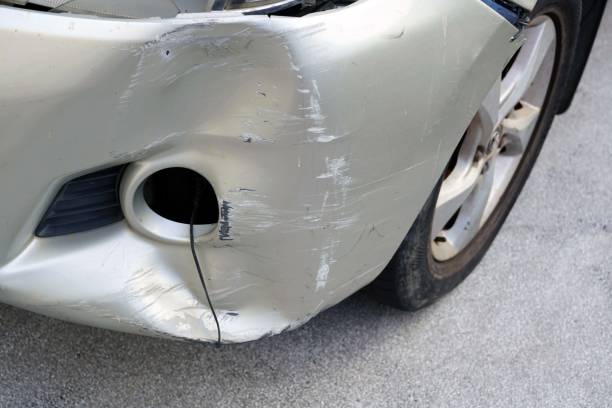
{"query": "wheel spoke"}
[(450, 242), (518, 127), (540, 38), (453, 194)]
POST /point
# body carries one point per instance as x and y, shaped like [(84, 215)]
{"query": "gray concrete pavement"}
[(531, 327)]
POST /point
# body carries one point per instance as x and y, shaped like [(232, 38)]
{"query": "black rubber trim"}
[(508, 11), (84, 203)]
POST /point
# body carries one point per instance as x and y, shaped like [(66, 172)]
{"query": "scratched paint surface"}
[(322, 137)]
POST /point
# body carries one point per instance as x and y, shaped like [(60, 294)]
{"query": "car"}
[(222, 171)]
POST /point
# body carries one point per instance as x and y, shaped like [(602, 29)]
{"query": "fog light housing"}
[(159, 202)]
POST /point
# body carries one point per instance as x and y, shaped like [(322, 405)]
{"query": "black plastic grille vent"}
[(84, 203)]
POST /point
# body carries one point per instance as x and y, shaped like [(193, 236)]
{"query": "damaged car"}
[(224, 170)]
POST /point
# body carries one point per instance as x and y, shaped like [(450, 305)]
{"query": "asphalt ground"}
[(531, 327)]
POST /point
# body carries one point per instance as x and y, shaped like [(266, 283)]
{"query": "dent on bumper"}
[(322, 137)]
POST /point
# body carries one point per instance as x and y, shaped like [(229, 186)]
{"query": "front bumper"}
[(323, 135)]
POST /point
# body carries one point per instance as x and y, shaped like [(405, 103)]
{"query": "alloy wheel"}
[(494, 144)]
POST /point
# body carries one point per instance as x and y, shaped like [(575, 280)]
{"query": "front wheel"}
[(489, 167)]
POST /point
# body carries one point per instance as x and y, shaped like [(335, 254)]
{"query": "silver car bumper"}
[(322, 137)]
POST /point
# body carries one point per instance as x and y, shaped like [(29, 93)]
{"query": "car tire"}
[(414, 278)]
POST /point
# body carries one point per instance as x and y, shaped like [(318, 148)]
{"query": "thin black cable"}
[(196, 205)]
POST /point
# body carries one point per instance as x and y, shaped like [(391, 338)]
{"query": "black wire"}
[(196, 205)]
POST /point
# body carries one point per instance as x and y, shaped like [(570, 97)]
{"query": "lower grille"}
[(84, 203)]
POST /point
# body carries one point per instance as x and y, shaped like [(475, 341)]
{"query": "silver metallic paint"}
[(527, 4), (321, 135)]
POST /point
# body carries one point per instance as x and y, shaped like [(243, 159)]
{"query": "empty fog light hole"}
[(171, 194)]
